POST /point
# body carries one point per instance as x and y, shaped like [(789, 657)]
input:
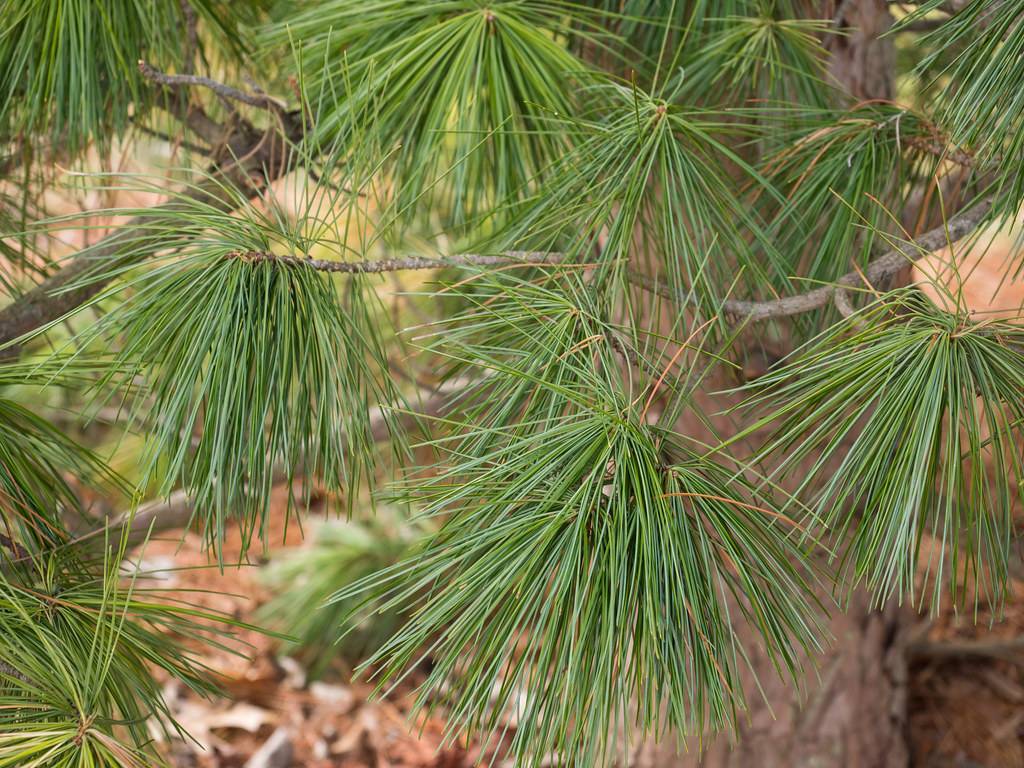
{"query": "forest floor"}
[(966, 689), (333, 722), (965, 697)]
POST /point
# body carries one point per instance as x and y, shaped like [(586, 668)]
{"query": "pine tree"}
[(611, 298)]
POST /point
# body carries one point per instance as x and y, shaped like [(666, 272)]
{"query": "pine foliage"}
[(458, 89), (68, 70), (79, 645), (586, 543), (273, 366), (538, 234), (925, 404)]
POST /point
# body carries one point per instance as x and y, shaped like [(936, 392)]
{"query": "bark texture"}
[(862, 59), (852, 713)]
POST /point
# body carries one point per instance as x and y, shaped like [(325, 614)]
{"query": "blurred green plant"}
[(304, 580)]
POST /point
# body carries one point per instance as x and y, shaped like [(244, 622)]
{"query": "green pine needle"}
[(38, 499), (841, 175), (68, 68), (646, 186), (929, 406), (253, 370), (981, 98), (587, 565), (766, 53), (265, 364), (461, 89), (78, 646)]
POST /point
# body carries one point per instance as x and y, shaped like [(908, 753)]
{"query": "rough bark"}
[(862, 59), (852, 712)]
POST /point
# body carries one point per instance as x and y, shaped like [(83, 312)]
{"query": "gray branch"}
[(406, 263), (260, 100), (878, 271)]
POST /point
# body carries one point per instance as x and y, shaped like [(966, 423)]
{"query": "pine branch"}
[(902, 408), (259, 100), (45, 303), (177, 510), (424, 262), (881, 269), (407, 263), (64, 75)]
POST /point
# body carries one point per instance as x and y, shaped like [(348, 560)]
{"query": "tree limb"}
[(407, 263), (881, 269), (177, 509), (1011, 649)]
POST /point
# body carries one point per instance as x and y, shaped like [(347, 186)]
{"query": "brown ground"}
[(966, 700), (332, 723)]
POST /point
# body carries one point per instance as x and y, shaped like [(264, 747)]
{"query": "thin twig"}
[(878, 271), (842, 301), (423, 262), (260, 100), (404, 264)]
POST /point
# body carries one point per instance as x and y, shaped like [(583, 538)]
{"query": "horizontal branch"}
[(1010, 649), (260, 100), (878, 271), (44, 304), (406, 263)]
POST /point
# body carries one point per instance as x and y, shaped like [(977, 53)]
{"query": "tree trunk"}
[(862, 59), (853, 712), (850, 710)]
